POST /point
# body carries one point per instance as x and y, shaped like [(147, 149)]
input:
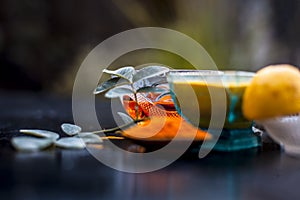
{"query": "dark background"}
[(42, 43)]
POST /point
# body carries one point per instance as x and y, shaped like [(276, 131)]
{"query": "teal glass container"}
[(213, 102)]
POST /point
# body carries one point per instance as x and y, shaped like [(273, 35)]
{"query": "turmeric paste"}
[(165, 128)]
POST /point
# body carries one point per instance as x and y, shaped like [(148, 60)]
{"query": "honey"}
[(204, 92)]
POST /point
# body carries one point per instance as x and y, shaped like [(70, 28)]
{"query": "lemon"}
[(274, 91)]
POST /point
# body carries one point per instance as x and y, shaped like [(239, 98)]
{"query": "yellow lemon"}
[(274, 91)]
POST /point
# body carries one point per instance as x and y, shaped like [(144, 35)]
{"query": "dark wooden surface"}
[(262, 173)]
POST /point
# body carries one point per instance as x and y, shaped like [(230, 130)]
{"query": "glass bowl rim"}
[(210, 73), (194, 71)]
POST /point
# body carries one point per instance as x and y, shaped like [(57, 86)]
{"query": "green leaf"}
[(124, 72), (148, 72), (151, 89), (126, 118), (109, 84), (118, 92)]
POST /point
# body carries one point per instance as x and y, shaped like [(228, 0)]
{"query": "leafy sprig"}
[(124, 81)]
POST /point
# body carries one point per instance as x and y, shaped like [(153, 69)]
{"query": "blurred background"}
[(42, 43)]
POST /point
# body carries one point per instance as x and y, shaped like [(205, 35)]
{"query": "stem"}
[(119, 127), (136, 106)]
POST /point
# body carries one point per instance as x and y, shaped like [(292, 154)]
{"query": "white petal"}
[(24, 143), (70, 129), (70, 143), (41, 133), (90, 138)]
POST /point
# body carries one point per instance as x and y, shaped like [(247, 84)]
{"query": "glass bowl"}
[(213, 101)]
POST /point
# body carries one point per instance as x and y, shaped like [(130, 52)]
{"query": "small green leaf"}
[(118, 92), (70, 143), (70, 129), (124, 72), (109, 84), (151, 89), (41, 133), (24, 143), (126, 118), (148, 72)]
